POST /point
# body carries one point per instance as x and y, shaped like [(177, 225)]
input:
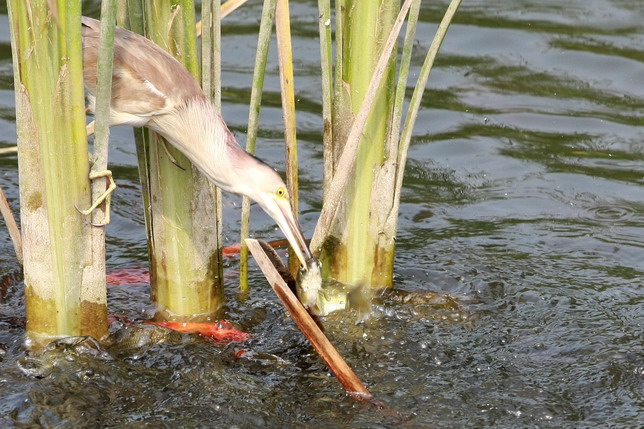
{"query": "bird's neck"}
[(197, 129)]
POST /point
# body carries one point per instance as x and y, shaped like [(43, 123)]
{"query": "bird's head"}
[(262, 184)]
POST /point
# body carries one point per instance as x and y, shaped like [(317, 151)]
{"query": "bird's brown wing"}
[(146, 80)]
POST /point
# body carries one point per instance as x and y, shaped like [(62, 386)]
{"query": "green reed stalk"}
[(263, 42), (338, 125), (385, 218), (347, 250), (102, 132), (136, 23), (211, 84), (359, 247), (121, 13), (225, 9), (183, 232), (354, 260), (287, 85), (416, 98), (64, 281), (326, 67), (401, 86), (136, 19), (103, 97)]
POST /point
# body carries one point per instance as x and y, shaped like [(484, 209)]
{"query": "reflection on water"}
[(523, 197)]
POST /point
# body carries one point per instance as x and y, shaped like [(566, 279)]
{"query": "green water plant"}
[(212, 13), (364, 147), (64, 263), (184, 236), (278, 11), (263, 43), (287, 91)]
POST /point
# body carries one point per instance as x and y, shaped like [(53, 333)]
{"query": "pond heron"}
[(150, 88)]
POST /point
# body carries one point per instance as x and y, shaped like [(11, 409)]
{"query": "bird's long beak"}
[(283, 215)]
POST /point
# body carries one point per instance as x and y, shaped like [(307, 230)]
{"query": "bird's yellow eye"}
[(280, 192)]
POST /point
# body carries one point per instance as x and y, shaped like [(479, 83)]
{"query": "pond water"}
[(524, 195)]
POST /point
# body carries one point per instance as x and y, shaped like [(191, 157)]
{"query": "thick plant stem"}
[(358, 223), (64, 281), (357, 250), (347, 138), (185, 253), (383, 194), (351, 246), (263, 42)]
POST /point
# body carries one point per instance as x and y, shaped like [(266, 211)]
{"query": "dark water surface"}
[(524, 193)]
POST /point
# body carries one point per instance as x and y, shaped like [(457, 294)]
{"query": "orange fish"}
[(221, 331)]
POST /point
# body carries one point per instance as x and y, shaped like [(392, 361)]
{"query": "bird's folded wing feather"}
[(146, 80)]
